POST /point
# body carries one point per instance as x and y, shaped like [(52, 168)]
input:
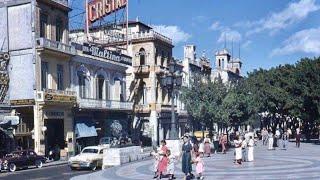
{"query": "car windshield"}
[(90, 151)]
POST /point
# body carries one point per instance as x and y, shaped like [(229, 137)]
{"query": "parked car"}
[(89, 158), (22, 159)]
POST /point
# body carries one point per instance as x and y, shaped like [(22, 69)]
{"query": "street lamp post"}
[(171, 80)]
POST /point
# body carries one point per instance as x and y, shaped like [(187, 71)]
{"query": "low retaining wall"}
[(118, 156)]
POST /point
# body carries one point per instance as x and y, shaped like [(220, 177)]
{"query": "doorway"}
[(54, 136)]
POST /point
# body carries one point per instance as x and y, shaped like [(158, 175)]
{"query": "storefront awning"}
[(85, 128)]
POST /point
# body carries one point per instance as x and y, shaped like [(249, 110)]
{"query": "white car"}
[(90, 157)]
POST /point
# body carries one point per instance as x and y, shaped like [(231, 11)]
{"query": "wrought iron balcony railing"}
[(87, 103)]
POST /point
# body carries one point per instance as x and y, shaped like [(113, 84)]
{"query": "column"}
[(39, 141)]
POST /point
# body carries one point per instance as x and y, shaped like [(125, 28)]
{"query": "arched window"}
[(219, 63), (84, 84), (162, 58), (100, 85), (142, 54), (143, 99), (237, 71), (222, 63)]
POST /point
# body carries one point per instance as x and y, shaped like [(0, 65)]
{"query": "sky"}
[(268, 32)]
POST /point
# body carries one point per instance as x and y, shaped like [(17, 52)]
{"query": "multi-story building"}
[(227, 67), (151, 53), (100, 83), (35, 33)]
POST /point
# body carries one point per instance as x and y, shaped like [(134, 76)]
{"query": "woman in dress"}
[(199, 166), (238, 149), (207, 146), (186, 157), (250, 149), (270, 141), (171, 161), (163, 163)]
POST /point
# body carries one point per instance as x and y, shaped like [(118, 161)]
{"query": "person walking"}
[(298, 138), (156, 156), (264, 134), (277, 137), (223, 142), (207, 146), (163, 163), (270, 140), (238, 149), (244, 149), (285, 137), (186, 157), (199, 166), (250, 149), (171, 161)]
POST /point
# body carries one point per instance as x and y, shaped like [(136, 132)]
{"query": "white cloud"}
[(246, 44), (174, 32), (295, 12), (307, 41), (215, 26), (229, 35)]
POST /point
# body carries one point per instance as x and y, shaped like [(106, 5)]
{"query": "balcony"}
[(87, 103), (140, 70), (55, 46)]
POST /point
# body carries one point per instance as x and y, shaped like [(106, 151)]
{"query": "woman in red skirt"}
[(162, 167)]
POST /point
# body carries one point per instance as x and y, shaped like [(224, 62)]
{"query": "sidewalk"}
[(293, 163), (55, 163)]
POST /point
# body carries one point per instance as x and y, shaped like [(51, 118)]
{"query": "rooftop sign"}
[(101, 8)]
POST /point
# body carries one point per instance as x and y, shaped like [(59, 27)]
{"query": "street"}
[(46, 173)]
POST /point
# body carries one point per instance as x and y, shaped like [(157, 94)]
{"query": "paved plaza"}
[(294, 163)]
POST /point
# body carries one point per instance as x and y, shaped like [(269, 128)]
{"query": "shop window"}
[(43, 25), (60, 73), (44, 75), (107, 90), (59, 30)]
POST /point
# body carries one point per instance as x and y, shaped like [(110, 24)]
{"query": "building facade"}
[(35, 34), (151, 53)]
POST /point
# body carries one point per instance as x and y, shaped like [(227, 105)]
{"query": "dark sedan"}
[(22, 159)]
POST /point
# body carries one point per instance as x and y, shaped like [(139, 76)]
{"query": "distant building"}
[(226, 67)]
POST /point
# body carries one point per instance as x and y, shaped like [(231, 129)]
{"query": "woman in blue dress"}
[(186, 156)]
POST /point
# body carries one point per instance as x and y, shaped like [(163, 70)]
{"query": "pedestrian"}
[(201, 146), (270, 140), (156, 157), (277, 137), (238, 149), (264, 134), (186, 157), (244, 149), (250, 149), (285, 137), (223, 142), (171, 161), (199, 166), (298, 138), (207, 146), (163, 163)]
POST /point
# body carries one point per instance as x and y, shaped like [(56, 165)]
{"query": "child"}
[(156, 156), (163, 162), (199, 166), (170, 168)]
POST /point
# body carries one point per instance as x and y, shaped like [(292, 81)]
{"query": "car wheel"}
[(39, 164), (12, 167), (94, 166), (72, 168)]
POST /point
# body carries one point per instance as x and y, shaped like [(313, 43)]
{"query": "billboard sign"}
[(97, 9)]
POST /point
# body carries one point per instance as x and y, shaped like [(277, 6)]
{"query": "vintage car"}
[(90, 157), (22, 159)]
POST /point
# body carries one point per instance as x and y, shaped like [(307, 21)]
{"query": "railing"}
[(149, 34), (141, 69), (60, 92), (142, 108), (104, 104), (55, 45)]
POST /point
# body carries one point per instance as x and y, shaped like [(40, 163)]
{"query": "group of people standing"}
[(279, 138), (164, 165), (244, 147)]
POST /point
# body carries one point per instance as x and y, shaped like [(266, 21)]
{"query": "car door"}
[(31, 158)]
